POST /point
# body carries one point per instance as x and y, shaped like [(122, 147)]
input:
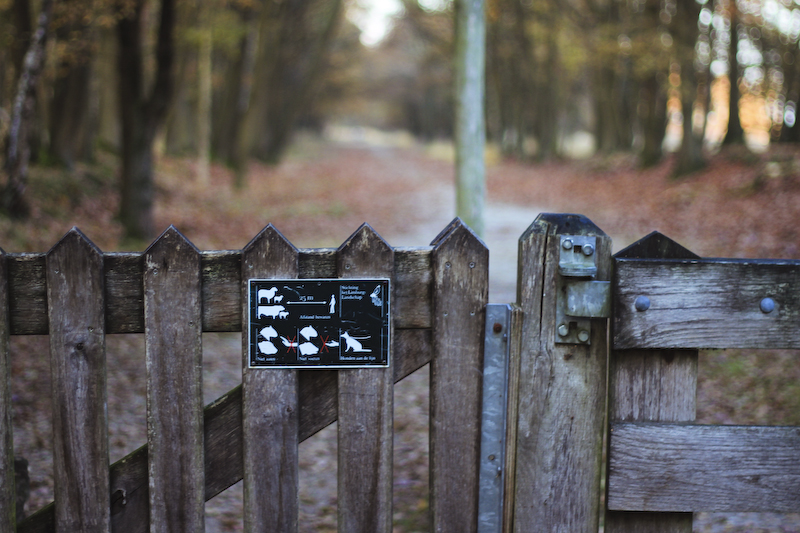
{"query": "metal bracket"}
[(493, 417), (579, 297)]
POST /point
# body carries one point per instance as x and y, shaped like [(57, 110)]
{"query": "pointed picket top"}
[(365, 247), (269, 253), (75, 238), (562, 224), (654, 246), (456, 226), (456, 222), (170, 237)]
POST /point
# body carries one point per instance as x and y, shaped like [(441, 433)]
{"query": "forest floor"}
[(741, 205)]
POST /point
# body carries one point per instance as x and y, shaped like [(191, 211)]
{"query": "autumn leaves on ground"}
[(741, 205)]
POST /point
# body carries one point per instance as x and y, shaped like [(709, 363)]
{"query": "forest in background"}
[(230, 80)]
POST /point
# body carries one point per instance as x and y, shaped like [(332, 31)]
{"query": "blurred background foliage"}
[(230, 80)]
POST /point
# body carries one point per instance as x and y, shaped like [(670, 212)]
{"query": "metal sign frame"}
[(319, 323)]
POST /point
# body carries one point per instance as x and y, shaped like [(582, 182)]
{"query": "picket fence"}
[(541, 427)]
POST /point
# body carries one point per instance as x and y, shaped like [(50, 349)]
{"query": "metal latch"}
[(580, 297)]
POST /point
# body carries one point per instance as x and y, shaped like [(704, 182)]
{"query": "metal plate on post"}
[(318, 323), (493, 418)]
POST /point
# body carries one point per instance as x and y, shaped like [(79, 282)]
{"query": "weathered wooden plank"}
[(561, 393), (222, 302), (124, 293), (221, 274), (460, 264), (174, 357), (270, 407), (706, 303), (27, 294), (75, 298), (651, 386), (223, 439), (365, 403), (512, 413), (691, 468), (412, 287), (8, 518)]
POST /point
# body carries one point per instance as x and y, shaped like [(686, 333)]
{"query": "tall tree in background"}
[(142, 111), (293, 43), (470, 134), (70, 110), (686, 31), (735, 133), (18, 150)]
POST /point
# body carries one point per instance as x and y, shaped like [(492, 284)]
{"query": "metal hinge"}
[(580, 298)]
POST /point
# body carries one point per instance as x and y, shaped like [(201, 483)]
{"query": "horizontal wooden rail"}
[(706, 303), (223, 439), (221, 286), (691, 468)]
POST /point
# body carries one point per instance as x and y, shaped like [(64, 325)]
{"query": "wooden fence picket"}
[(270, 405), (365, 404), (8, 518), (652, 386), (460, 266), (173, 344), (76, 310), (561, 394)]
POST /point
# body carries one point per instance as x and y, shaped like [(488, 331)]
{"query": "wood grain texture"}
[(221, 280), (514, 359), (270, 408), (706, 303), (222, 427), (174, 358), (561, 391), (691, 468), (365, 403), (75, 298), (651, 386), (8, 518), (460, 265)]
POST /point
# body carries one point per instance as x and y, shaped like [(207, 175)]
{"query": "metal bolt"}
[(566, 244), (587, 249), (642, 303), (583, 335), (767, 305), (563, 330), (498, 327)]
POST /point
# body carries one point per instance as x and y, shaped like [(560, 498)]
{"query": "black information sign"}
[(318, 323)]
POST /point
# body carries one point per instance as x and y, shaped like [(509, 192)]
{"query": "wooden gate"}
[(555, 347)]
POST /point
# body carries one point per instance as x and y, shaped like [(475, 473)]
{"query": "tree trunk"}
[(294, 38), (18, 148), (470, 131), (204, 105), (690, 155), (141, 116), (653, 100), (653, 110), (735, 133), (70, 116)]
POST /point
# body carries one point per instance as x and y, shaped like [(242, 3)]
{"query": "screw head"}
[(583, 335), (587, 249), (498, 327), (566, 244), (563, 330), (642, 303), (767, 305)]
